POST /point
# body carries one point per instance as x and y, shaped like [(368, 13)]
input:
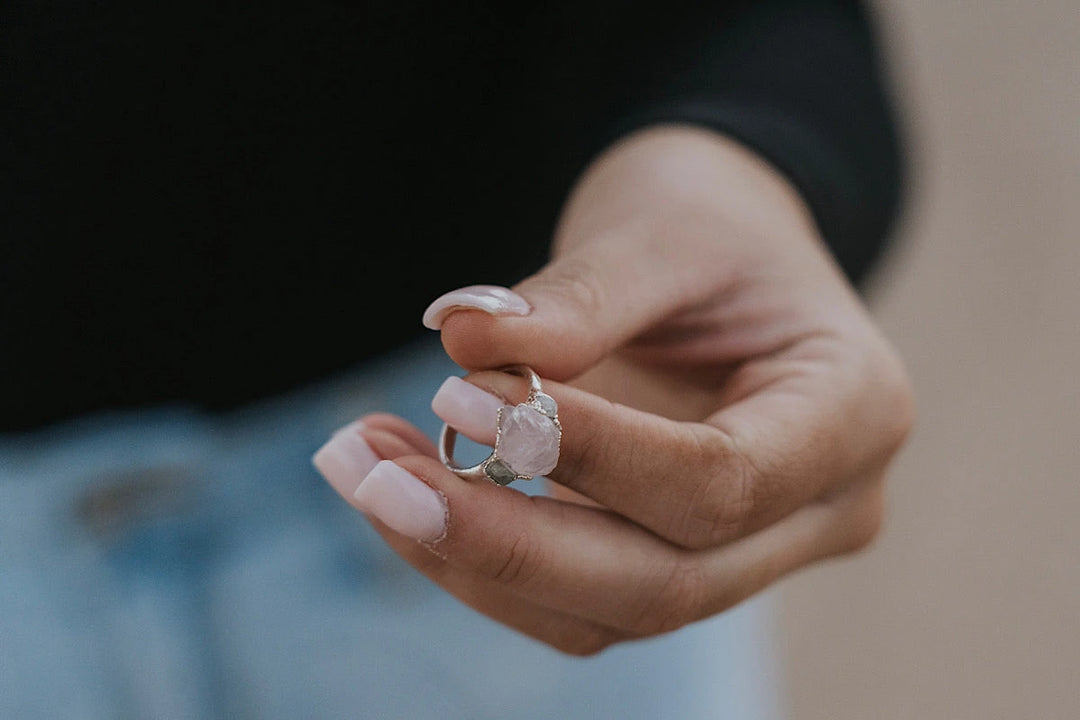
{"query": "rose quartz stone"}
[(528, 440)]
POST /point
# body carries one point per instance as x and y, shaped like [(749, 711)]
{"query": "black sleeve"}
[(801, 84)]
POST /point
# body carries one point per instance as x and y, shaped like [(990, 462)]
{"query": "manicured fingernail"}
[(402, 501), (345, 460), (468, 409), (489, 298)]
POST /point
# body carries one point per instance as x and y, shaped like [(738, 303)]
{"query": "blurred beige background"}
[(969, 604)]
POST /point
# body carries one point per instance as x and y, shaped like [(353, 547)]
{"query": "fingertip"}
[(473, 340), (388, 445), (402, 428), (476, 341)]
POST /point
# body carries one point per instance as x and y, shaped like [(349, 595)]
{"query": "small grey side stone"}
[(499, 472)]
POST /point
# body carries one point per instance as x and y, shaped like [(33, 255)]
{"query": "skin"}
[(729, 408)]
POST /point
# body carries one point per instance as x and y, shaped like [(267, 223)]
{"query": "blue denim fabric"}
[(166, 564)]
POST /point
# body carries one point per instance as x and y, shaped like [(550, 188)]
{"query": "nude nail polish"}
[(345, 460), (471, 411), (491, 299), (403, 502)]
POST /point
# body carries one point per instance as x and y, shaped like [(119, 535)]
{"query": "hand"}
[(729, 409)]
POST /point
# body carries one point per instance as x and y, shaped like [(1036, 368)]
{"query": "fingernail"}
[(345, 460), (402, 501), (489, 298), (468, 409)]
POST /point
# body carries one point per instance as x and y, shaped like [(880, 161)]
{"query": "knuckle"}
[(596, 452), (679, 597), (518, 564), (864, 523), (717, 513), (725, 499), (575, 281), (897, 396), (901, 397)]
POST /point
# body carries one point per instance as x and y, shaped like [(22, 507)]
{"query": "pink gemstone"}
[(528, 440)]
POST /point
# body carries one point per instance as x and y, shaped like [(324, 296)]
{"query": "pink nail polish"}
[(403, 502), (345, 460), (468, 409), (491, 299)]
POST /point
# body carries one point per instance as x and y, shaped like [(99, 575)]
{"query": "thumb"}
[(586, 302)]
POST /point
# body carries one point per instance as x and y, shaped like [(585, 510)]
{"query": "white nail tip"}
[(491, 299)]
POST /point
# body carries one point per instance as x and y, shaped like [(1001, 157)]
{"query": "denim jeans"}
[(169, 564)]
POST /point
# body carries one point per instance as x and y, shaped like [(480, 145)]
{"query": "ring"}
[(527, 438)]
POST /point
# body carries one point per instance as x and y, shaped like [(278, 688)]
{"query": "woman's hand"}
[(729, 409)]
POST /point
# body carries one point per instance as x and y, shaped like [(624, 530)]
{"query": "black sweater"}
[(199, 200)]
